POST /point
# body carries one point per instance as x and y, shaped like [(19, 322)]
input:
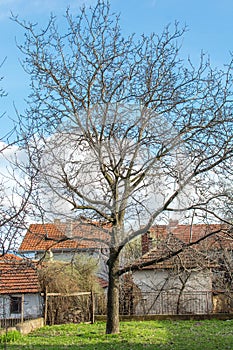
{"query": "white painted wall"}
[(67, 256), (154, 280), (33, 306), (160, 291)]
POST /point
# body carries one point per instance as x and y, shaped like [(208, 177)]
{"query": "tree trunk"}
[(113, 294)]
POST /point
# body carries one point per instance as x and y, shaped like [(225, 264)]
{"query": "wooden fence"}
[(81, 307)]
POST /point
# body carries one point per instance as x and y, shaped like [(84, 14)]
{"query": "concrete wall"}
[(29, 326)]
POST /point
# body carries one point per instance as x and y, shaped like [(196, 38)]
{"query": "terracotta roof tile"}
[(162, 240), (61, 236), (188, 258), (187, 234), (17, 275)]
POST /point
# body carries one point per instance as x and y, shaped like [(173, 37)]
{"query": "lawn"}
[(147, 335)]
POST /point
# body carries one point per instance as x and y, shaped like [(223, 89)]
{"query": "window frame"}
[(15, 304)]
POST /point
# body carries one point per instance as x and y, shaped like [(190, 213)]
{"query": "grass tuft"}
[(10, 337)]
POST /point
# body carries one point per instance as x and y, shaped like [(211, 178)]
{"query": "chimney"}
[(69, 228), (173, 223), (146, 242)]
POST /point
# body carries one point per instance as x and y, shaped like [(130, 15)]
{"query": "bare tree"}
[(15, 209), (2, 91), (123, 130), (16, 186)]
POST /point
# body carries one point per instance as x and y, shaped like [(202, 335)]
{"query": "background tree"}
[(122, 129), (16, 185)]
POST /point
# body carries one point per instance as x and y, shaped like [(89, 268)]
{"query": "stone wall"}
[(29, 326)]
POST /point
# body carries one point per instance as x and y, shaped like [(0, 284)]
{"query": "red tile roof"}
[(17, 276), (163, 240), (103, 283), (219, 235), (64, 236), (188, 258)]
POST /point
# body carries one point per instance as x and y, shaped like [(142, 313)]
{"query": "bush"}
[(68, 278)]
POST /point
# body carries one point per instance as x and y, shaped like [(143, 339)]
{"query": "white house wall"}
[(161, 292), (33, 306), (63, 256)]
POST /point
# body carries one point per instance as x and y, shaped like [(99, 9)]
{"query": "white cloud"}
[(9, 174), (6, 154)]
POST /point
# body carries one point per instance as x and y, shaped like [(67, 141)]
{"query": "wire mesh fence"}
[(176, 303), (172, 303)]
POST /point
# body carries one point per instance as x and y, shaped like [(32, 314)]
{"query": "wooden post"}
[(22, 308), (92, 307), (45, 305)]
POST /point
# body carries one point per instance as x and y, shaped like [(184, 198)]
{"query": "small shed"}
[(19, 289)]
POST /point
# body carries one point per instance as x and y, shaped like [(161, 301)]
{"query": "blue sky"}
[(210, 24)]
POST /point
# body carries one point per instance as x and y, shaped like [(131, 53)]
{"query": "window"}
[(15, 306)]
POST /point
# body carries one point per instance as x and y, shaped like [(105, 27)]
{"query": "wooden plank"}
[(46, 307), (92, 308), (68, 294), (22, 308)]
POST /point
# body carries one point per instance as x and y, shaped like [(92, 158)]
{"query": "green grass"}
[(147, 335)]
